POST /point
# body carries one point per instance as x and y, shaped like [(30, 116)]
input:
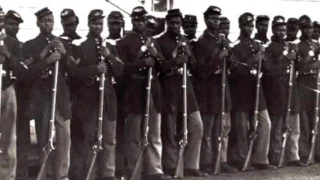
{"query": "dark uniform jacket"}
[(135, 74), (307, 74), (264, 39), (276, 79), (207, 77), (40, 80), (243, 86), (87, 103), (13, 68), (171, 79)]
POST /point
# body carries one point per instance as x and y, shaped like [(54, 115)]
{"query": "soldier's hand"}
[(102, 67), (149, 61), (153, 51), (105, 52), (262, 49), (54, 57), (182, 59), (292, 55), (224, 53), (4, 52), (58, 46)]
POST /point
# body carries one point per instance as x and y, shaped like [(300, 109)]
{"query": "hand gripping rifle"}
[(144, 140), (49, 146), (286, 126), (184, 140), (217, 167), (97, 147), (1, 72), (253, 134), (316, 120)]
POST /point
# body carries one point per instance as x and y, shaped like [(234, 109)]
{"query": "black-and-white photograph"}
[(159, 89)]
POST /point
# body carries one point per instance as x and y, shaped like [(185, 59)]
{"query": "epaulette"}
[(113, 42), (78, 42), (232, 44)]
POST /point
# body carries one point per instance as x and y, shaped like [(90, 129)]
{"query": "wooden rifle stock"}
[(255, 119), (286, 125), (184, 141), (144, 142), (316, 121)]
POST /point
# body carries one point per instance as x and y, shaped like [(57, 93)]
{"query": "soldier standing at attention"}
[(209, 52), (224, 27), (171, 83), (190, 25), (262, 25), (292, 29), (316, 31), (247, 53)]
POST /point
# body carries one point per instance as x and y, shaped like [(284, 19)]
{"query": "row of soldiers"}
[(28, 78)]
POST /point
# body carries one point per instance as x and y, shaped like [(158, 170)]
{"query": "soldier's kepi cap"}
[(115, 16), (212, 10), (305, 22), (262, 18), (95, 14), (152, 21), (173, 13), (1, 12), (138, 12), (224, 20), (293, 23), (278, 20), (245, 18), (190, 19), (67, 16), (42, 12), (14, 15), (316, 24)]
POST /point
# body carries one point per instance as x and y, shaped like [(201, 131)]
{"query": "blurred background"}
[(230, 8)]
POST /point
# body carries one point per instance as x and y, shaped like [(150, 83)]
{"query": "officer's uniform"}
[(259, 36), (23, 127), (87, 103), (40, 83), (275, 85), (135, 79), (171, 83), (12, 69), (307, 69), (243, 87), (207, 87)]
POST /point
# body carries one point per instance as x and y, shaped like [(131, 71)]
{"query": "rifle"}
[(253, 135), (144, 141), (118, 7), (184, 140), (316, 121), (217, 168), (49, 147), (97, 147), (1, 71), (287, 116)]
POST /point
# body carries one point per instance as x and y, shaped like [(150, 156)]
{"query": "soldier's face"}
[(190, 30), (139, 25), (280, 31), (316, 33), (1, 21), (150, 31), (11, 26), (307, 32), (71, 26), (174, 25), (247, 29), (262, 26), (213, 21), (45, 24), (224, 29), (292, 32), (96, 27), (114, 27)]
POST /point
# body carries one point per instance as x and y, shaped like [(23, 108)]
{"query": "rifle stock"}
[(184, 141), (316, 122), (144, 143), (253, 135)]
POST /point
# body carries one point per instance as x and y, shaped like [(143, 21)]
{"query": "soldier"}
[(189, 26), (10, 59), (224, 27), (98, 58), (171, 83), (262, 25), (151, 25), (115, 25), (244, 81), (207, 86), (316, 31), (40, 83), (139, 52), (307, 68), (292, 29), (12, 22), (279, 55)]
